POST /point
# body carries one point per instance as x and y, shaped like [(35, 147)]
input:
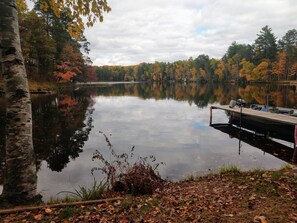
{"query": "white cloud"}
[(138, 31)]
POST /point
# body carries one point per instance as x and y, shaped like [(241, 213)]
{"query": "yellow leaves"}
[(44, 6), (220, 69), (247, 69), (56, 7), (262, 71), (22, 6), (92, 9), (94, 5), (80, 5)]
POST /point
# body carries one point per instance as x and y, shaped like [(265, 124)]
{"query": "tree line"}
[(52, 53), (267, 59)]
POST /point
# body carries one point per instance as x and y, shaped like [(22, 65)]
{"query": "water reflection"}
[(202, 95), (61, 127), (168, 121), (267, 145)]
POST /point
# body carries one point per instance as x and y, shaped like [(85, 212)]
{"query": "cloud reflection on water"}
[(174, 131)]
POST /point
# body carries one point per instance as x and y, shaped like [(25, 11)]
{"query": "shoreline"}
[(225, 197)]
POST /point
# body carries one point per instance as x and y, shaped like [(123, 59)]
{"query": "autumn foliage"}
[(265, 60), (53, 45), (70, 64)]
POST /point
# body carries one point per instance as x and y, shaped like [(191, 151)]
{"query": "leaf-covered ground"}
[(241, 197)]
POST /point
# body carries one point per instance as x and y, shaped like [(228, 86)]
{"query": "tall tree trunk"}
[(20, 179)]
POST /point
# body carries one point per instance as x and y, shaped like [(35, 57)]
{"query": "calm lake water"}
[(170, 122)]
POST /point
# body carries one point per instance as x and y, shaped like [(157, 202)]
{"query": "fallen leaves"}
[(260, 219), (38, 217), (216, 198), (48, 210)]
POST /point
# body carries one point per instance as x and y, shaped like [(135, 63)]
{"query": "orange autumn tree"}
[(279, 67), (70, 64)]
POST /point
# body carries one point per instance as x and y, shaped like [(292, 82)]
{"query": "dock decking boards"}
[(267, 116)]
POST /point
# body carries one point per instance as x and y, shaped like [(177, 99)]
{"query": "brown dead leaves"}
[(215, 198)]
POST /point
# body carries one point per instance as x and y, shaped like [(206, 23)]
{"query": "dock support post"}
[(294, 159), (240, 115), (210, 119)]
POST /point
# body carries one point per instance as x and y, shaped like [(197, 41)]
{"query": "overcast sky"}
[(138, 31)]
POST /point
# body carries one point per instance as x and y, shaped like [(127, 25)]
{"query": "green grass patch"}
[(257, 171), (230, 169), (83, 193), (286, 166), (276, 175)]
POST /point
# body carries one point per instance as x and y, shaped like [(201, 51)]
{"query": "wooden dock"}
[(266, 116), (285, 124)]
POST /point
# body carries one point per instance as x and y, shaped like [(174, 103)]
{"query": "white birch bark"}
[(20, 179)]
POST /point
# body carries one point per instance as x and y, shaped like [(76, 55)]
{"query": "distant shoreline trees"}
[(52, 54), (265, 60)]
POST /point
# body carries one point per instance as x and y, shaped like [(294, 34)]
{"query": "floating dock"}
[(284, 124), (266, 116)]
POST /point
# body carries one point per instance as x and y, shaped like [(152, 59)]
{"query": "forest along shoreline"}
[(53, 88), (227, 196)]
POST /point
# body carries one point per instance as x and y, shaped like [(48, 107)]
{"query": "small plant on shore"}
[(139, 177), (83, 193), (258, 171), (286, 166), (190, 177), (276, 175), (230, 169)]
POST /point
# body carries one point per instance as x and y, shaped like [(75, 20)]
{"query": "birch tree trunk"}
[(20, 179)]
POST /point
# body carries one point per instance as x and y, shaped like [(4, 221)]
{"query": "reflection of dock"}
[(267, 145)]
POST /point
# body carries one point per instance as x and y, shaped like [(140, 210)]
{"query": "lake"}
[(170, 122)]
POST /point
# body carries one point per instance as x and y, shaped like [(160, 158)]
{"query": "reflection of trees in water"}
[(202, 95), (277, 95), (61, 126)]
